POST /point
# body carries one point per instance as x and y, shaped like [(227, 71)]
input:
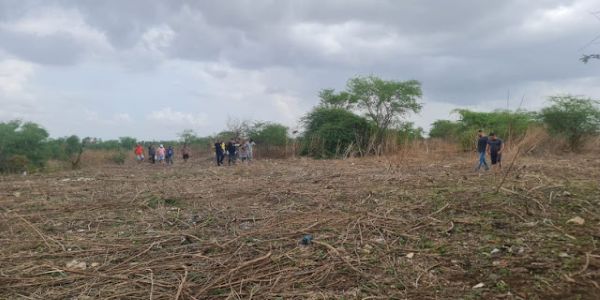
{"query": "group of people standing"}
[(234, 150), (160, 154), (491, 145)]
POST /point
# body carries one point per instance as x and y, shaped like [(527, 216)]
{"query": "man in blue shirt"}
[(495, 148), (482, 142)]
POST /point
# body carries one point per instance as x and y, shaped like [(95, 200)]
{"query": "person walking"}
[(139, 153), (160, 154), (219, 152), (169, 155), (243, 151), (231, 151), (250, 146), (185, 152), (482, 142), (495, 146), (151, 154)]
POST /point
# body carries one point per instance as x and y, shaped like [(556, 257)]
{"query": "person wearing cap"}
[(160, 153), (495, 146)]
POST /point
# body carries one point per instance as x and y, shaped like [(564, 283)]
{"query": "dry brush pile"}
[(364, 228)]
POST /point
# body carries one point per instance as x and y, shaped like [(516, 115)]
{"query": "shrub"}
[(330, 131), (269, 133), (574, 118), (17, 163), (119, 158), (25, 140)]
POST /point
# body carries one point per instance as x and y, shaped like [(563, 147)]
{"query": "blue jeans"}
[(482, 161)]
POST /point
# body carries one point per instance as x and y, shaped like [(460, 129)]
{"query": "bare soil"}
[(386, 228)]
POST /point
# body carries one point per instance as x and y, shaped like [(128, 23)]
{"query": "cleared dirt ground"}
[(389, 228)]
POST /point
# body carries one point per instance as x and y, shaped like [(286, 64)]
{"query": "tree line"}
[(368, 117)]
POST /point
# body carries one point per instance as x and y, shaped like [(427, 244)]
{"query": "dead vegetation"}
[(417, 226)]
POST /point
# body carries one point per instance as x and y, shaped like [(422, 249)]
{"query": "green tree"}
[(268, 133), (384, 102), (127, 142), (444, 129), (22, 143), (328, 132), (407, 132), (74, 149), (331, 99), (188, 136), (572, 117)]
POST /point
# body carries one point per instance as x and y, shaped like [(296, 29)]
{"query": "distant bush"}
[(506, 124), (22, 143), (119, 158), (445, 129), (572, 117), (406, 132), (329, 132), (269, 133), (16, 163)]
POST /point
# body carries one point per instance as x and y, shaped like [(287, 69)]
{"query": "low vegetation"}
[(416, 225)]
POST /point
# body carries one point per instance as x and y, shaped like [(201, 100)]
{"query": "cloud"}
[(14, 75), (111, 67), (169, 117), (52, 35), (16, 100)]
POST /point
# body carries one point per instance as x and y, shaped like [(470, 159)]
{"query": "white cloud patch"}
[(152, 68), (52, 21), (16, 99), (14, 75), (167, 116)]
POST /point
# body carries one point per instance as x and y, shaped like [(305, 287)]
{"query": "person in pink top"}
[(160, 154)]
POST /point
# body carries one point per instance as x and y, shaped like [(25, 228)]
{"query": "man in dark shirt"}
[(231, 149), (494, 148), (482, 142)]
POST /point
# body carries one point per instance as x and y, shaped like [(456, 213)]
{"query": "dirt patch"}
[(298, 228)]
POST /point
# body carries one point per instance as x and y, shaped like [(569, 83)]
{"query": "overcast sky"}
[(151, 69)]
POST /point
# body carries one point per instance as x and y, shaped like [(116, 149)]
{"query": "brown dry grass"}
[(418, 225)]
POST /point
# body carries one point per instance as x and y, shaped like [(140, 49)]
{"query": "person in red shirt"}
[(139, 153)]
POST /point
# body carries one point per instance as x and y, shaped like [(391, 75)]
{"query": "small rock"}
[(576, 221), (500, 263), (566, 193), (195, 219), (379, 240), (410, 255), (17, 194), (479, 285), (75, 264), (563, 254)]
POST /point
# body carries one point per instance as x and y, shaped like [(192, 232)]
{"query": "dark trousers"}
[(220, 158)]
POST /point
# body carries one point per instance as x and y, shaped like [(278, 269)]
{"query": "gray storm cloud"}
[(465, 53)]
